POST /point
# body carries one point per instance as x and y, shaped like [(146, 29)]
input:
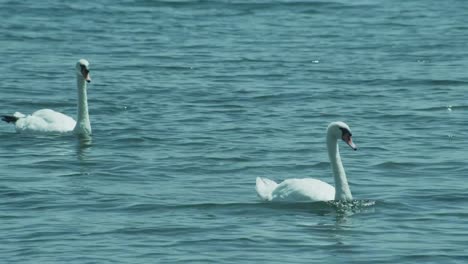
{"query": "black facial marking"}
[(83, 69), (345, 131)]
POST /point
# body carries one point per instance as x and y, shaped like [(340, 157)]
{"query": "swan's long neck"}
[(342, 191), (83, 126)]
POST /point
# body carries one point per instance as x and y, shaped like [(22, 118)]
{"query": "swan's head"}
[(341, 130), (82, 70)]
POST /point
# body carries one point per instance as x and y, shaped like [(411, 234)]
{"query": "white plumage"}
[(44, 121), (50, 121), (313, 190), (295, 190)]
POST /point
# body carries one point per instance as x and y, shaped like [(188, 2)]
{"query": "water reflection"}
[(83, 146), (345, 209)]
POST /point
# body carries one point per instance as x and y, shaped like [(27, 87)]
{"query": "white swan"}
[(50, 121), (313, 190)]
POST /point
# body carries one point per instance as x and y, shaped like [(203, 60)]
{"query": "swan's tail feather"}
[(10, 119), (264, 188)]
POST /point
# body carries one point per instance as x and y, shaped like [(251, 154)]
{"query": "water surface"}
[(192, 100)]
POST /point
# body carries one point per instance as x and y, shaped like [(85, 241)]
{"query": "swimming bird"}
[(50, 121), (313, 190)]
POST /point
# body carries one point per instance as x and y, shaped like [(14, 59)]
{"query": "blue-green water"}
[(192, 100)]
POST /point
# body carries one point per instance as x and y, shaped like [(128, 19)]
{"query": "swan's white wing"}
[(265, 187), (45, 121), (303, 190)]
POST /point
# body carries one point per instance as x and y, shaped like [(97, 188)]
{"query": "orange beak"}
[(85, 73), (88, 77), (347, 138)]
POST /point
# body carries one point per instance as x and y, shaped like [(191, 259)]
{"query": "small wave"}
[(415, 82), (9, 193), (395, 165), (251, 6), (330, 207), (444, 108), (447, 197), (320, 165), (199, 206), (230, 159)]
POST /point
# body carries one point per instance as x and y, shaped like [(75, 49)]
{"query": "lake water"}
[(192, 100)]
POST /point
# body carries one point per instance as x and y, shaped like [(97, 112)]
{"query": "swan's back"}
[(44, 121), (302, 190)]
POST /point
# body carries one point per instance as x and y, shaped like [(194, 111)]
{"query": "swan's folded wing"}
[(45, 121), (265, 187), (303, 190)]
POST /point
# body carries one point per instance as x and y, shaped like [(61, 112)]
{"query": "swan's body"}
[(313, 190), (50, 121), (44, 121), (294, 190)]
